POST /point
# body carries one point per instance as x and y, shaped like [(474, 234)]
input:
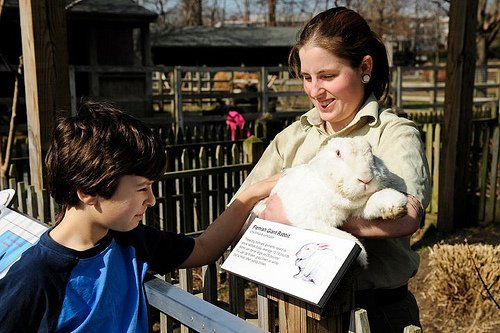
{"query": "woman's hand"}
[(379, 228)]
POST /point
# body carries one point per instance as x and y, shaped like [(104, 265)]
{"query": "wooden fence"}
[(202, 177), (482, 177), (422, 88)]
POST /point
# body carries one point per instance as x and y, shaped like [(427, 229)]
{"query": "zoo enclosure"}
[(203, 176), (205, 168)]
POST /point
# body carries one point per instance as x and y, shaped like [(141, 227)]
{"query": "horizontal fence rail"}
[(192, 311), (183, 94), (422, 88)]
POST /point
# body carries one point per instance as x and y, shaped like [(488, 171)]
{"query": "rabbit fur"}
[(344, 179)]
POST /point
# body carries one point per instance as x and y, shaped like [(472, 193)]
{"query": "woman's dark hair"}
[(92, 150), (347, 35)]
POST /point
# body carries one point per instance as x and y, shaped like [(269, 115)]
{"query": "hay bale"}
[(462, 301)]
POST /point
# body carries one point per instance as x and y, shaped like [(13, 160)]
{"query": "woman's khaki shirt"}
[(397, 142)]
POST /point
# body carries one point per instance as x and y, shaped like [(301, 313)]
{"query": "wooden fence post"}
[(491, 210), (453, 209), (412, 329), (253, 148), (45, 59)]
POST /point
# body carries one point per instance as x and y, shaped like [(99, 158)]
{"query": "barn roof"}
[(226, 36), (122, 9)]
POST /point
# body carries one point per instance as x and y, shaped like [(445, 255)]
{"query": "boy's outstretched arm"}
[(212, 243)]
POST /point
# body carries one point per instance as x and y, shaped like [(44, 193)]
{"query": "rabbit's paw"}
[(386, 203)]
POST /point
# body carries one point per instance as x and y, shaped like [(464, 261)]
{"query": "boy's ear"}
[(87, 199)]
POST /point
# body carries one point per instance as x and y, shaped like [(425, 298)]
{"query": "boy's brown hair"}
[(94, 149)]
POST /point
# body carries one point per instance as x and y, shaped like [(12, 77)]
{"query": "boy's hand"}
[(262, 189), (274, 210)]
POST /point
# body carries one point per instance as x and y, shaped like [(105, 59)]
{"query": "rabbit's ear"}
[(323, 246)]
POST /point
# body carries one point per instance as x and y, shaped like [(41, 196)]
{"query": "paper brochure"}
[(18, 232)]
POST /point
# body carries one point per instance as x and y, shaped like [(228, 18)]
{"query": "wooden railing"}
[(482, 170), (414, 89), (192, 312), (181, 92), (202, 178)]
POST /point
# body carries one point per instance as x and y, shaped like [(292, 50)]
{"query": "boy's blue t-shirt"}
[(56, 289)]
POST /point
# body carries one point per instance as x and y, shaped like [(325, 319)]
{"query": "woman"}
[(345, 73)]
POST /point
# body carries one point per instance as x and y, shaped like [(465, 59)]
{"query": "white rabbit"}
[(315, 261), (344, 179)]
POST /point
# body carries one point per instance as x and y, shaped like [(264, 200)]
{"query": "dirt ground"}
[(418, 285)]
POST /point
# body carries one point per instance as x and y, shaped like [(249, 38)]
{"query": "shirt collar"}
[(370, 110)]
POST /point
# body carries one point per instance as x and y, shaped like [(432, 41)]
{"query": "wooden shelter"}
[(108, 52), (223, 46)]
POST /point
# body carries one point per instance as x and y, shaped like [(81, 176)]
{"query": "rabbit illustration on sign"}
[(344, 179), (316, 262)]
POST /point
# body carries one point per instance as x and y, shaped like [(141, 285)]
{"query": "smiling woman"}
[(333, 85), (345, 73)]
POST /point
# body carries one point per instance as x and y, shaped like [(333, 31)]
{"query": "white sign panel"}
[(302, 263)]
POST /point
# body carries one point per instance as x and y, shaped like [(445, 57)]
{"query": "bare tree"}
[(272, 13), (488, 19), (487, 29), (214, 14), (384, 14), (167, 10), (192, 12), (488, 26)]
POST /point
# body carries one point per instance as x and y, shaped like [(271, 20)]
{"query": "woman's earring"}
[(365, 78)]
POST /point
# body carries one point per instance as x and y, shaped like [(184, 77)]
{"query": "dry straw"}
[(464, 284)]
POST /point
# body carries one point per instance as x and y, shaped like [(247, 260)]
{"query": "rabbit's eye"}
[(337, 152)]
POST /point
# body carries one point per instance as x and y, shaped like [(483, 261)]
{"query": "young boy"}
[(86, 273)]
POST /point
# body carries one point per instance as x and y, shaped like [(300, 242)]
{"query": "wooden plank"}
[(453, 210), (209, 273), (428, 131), (204, 192), (265, 310), (237, 295), (45, 56), (435, 169), (361, 321), (483, 171), (412, 329), (187, 196), (192, 311), (186, 283), (492, 201), (147, 61)]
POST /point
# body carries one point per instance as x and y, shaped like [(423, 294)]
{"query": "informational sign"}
[(18, 232), (301, 263)]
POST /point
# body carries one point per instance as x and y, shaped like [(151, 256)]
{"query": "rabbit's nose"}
[(365, 179)]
